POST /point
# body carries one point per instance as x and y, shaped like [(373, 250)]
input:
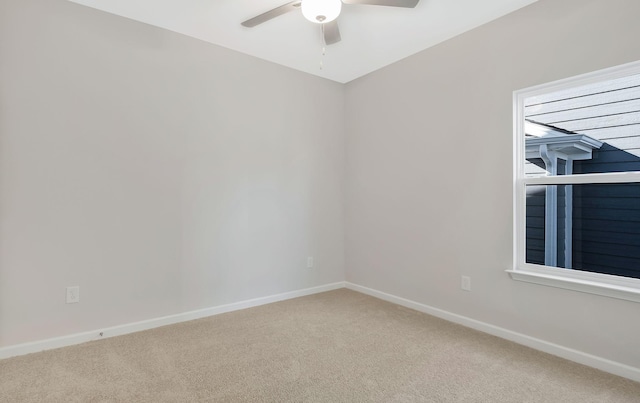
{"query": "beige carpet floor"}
[(338, 346)]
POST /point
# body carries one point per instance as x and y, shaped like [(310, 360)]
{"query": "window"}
[(577, 183)]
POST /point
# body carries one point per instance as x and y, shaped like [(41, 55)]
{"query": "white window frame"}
[(595, 283)]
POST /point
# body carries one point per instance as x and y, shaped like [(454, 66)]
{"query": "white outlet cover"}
[(466, 283), (73, 294), (310, 262)]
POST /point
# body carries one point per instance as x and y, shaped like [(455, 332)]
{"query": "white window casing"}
[(579, 147)]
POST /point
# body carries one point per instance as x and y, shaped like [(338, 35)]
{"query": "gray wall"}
[(429, 172), (160, 173), (163, 174)]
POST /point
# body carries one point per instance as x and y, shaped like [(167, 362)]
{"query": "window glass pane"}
[(592, 129), (587, 227), (535, 224)]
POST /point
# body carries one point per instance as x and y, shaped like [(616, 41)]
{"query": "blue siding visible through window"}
[(606, 228)]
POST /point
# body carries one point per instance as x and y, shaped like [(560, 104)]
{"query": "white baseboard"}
[(64, 341), (551, 348), (602, 364)]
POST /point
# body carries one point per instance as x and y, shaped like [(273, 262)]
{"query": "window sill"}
[(631, 293)]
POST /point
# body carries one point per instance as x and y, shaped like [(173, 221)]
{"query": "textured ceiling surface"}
[(372, 36)]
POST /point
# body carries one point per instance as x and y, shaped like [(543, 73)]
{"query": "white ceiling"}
[(372, 36)]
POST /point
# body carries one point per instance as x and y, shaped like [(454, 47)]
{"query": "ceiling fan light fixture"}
[(321, 11)]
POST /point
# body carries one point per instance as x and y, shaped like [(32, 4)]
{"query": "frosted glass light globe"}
[(321, 11)]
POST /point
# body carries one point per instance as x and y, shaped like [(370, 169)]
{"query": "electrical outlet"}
[(310, 262), (73, 294), (466, 283)]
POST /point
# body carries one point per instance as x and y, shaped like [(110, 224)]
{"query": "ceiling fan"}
[(323, 12)]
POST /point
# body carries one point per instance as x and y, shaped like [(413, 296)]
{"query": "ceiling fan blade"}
[(276, 12), (331, 33), (390, 3)]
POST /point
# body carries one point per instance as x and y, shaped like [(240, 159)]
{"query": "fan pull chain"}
[(324, 46)]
